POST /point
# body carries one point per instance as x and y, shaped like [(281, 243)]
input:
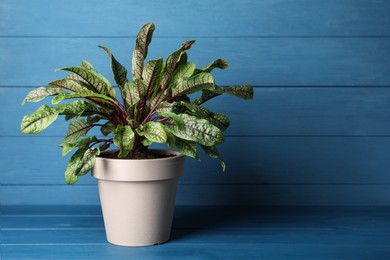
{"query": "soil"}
[(136, 155)]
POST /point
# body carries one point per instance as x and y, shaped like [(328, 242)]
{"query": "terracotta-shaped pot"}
[(138, 197)]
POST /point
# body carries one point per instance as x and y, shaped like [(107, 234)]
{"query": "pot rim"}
[(136, 170), (159, 151)]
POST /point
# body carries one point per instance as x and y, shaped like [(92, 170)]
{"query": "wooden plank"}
[(192, 251), (205, 217), (274, 111), (303, 61), (210, 232), (176, 18), (262, 160), (203, 195)]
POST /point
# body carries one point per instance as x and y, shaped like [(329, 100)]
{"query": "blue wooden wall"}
[(316, 133)]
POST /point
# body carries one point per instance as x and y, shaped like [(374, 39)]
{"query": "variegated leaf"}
[(220, 64), (193, 84), (198, 130), (99, 83), (153, 131), (188, 148), (124, 139), (40, 93), (39, 120), (67, 84), (131, 94), (118, 70), (77, 128), (151, 75), (184, 71), (144, 37), (88, 161), (240, 91), (86, 65), (172, 63), (94, 97), (107, 128), (80, 163), (82, 143)]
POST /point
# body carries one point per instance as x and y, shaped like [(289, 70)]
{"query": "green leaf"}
[(219, 120), (133, 92), (40, 93), (86, 65), (174, 117), (198, 130), (80, 163), (68, 84), (220, 64), (172, 62), (98, 82), (188, 148), (88, 161), (107, 128), (124, 139), (144, 37), (77, 128), (214, 153), (99, 99), (240, 91), (39, 120), (184, 71), (193, 84), (119, 71), (153, 131), (151, 75), (82, 143)]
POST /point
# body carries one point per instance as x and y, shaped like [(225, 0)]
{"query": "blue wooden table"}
[(203, 232)]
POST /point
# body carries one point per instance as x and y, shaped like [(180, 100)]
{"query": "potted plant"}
[(137, 185)]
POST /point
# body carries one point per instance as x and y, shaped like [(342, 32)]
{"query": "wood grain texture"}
[(207, 232), (327, 161), (217, 18), (317, 131), (307, 61)]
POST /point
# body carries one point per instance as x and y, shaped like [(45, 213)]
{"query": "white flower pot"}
[(138, 197)]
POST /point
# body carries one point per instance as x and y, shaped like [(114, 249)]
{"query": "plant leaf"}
[(172, 62), (184, 70), (107, 128), (98, 82), (39, 120), (193, 84), (80, 163), (219, 120), (151, 75), (124, 139), (88, 161), (77, 128), (144, 37), (133, 92), (68, 84), (119, 71), (40, 93), (153, 131), (188, 148), (198, 130), (219, 63), (240, 91), (86, 65), (99, 99), (82, 143)]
